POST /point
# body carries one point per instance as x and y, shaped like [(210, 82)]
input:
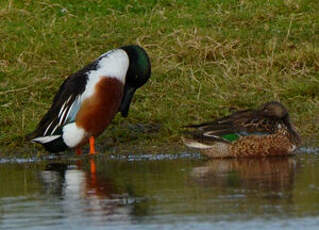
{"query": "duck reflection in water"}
[(85, 189), (269, 175)]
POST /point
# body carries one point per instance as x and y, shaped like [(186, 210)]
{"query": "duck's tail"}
[(31, 136), (52, 144), (215, 150), (191, 143), (45, 139)]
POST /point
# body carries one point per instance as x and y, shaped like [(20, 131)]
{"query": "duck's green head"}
[(138, 73)]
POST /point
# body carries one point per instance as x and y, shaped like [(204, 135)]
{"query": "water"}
[(160, 192)]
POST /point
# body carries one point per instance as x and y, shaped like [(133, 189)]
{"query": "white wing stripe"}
[(46, 130), (64, 116), (63, 106), (45, 139), (56, 126), (67, 115), (61, 119), (208, 134), (54, 129)]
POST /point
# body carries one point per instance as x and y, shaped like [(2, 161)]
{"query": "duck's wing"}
[(231, 127), (225, 124), (65, 105)]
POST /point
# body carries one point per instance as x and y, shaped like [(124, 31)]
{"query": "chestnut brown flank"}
[(97, 111)]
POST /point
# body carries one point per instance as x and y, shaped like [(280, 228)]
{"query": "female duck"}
[(248, 133)]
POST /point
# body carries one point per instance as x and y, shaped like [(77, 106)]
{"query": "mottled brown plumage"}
[(249, 133)]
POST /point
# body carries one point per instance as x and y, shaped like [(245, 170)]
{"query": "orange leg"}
[(92, 147), (92, 167), (78, 151)]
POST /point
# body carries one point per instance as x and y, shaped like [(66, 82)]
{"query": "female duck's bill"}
[(248, 133), (88, 100)]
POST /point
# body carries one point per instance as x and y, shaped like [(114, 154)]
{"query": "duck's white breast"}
[(112, 64)]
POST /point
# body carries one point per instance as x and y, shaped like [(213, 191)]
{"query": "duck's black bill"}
[(126, 101)]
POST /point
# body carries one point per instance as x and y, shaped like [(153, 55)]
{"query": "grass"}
[(206, 56)]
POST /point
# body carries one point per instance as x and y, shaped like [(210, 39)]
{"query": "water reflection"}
[(264, 183), (271, 174), (165, 193), (83, 188)]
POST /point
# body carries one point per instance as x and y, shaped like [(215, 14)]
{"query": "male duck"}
[(248, 133), (88, 100)]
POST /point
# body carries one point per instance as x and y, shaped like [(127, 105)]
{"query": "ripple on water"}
[(128, 157), (141, 157), (27, 160), (307, 149)]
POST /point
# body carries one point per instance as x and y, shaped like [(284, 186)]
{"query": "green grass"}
[(206, 56)]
